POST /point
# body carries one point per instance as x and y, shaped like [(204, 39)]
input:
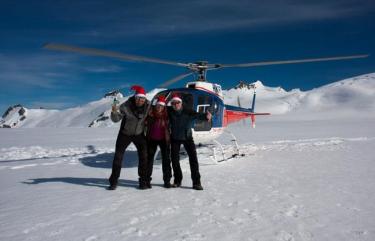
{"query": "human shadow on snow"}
[(91, 182)]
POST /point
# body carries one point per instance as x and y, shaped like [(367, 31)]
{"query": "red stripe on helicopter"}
[(231, 116)]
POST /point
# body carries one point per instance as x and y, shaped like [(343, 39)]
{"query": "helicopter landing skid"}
[(220, 154)]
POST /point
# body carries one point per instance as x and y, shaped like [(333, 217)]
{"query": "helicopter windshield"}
[(204, 104)]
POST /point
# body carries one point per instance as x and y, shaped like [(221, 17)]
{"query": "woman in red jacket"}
[(158, 135)]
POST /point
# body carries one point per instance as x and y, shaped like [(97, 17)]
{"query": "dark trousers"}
[(193, 160), (122, 143), (152, 145)]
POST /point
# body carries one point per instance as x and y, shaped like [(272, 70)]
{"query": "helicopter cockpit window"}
[(191, 86), (187, 101), (204, 104)]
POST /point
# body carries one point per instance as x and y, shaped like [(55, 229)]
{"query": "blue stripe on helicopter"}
[(240, 109)]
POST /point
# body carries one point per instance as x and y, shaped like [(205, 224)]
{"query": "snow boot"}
[(197, 187), (142, 184), (112, 187), (176, 184)]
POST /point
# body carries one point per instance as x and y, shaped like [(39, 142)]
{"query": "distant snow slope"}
[(353, 94), (346, 96)]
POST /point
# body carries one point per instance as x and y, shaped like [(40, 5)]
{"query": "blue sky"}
[(215, 30)]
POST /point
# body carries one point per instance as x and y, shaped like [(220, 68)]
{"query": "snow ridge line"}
[(329, 143), (71, 155), (249, 149), (324, 139), (14, 154)]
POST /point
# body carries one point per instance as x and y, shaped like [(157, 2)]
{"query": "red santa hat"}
[(139, 91), (161, 101), (176, 97)]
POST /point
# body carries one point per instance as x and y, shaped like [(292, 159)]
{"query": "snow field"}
[(298, 180)]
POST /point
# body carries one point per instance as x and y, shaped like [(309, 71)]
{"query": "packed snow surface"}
[(304, 175), (298, 180)]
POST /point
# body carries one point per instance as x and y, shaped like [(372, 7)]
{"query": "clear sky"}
[(219, 31)]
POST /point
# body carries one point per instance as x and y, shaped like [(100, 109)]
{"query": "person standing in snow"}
[(157, 125), (133, 113), (180, 120)]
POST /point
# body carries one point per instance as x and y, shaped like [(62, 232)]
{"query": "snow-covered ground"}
[(307, 173), (302, 178)]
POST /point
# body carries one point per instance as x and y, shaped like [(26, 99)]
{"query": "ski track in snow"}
[(38, 156)]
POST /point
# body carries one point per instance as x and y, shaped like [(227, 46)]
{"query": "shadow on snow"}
[(91, 182)]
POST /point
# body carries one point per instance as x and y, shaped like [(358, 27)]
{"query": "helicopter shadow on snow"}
[(104, 160)]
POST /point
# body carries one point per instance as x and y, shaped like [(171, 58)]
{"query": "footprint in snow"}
[(134, 221), (255, 199), (284, 236), (236, 221), (292, 211), (234, 204), (187, 236), (91, 238), (359, 233), (129, 231), (253, 215)]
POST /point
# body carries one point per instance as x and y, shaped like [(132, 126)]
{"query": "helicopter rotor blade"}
[(175, 79), (296, 61), (111, 54)]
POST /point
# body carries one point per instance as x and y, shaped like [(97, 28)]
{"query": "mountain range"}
[(353, 95)]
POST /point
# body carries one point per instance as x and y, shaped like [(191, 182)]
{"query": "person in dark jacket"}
[(133, 114), (157, 125), (180, 120)]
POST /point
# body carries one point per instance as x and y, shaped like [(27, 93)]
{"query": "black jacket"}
[(181, 122), (133, 117)]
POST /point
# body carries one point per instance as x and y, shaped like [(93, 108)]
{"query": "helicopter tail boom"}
[(233, 114)]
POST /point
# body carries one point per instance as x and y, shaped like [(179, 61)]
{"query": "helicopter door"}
[(204, 104)]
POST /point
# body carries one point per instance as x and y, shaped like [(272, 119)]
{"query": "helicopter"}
[(200, 94)]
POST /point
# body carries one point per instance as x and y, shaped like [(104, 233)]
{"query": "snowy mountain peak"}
[(114, 93), (243, 85), (258, 84), (347, 96), (13, 116)]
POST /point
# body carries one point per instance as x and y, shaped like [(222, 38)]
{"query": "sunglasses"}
[(176, 102)]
